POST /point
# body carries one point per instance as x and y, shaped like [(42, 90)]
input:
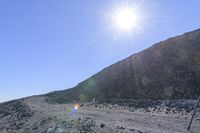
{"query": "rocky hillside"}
[(167, 70)]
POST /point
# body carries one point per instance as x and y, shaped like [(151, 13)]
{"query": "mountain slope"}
[(167, 70)]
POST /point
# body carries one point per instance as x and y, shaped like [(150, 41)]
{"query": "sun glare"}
[(126, 19)]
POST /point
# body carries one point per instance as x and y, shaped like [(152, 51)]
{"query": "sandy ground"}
[(90, 117)]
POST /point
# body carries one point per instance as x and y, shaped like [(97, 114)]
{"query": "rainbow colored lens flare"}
[(76, 106)]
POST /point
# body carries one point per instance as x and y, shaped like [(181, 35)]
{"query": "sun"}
[(126, 19)]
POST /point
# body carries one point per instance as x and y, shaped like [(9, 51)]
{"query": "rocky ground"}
[(35, 115)]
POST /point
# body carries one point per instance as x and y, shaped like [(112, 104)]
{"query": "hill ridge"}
[(170, 68)]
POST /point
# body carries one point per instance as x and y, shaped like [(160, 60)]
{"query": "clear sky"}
[(48, 45)]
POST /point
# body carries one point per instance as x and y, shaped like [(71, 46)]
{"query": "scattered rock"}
[(120, 127)]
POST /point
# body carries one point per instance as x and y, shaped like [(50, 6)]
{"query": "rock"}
[(102, 125), (120, 127)]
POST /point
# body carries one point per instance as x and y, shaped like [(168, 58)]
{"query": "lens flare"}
[(76, 106)]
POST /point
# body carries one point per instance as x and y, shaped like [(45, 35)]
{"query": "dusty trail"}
[(41, 117)]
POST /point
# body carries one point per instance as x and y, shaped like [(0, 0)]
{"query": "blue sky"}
[(48, 45)]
